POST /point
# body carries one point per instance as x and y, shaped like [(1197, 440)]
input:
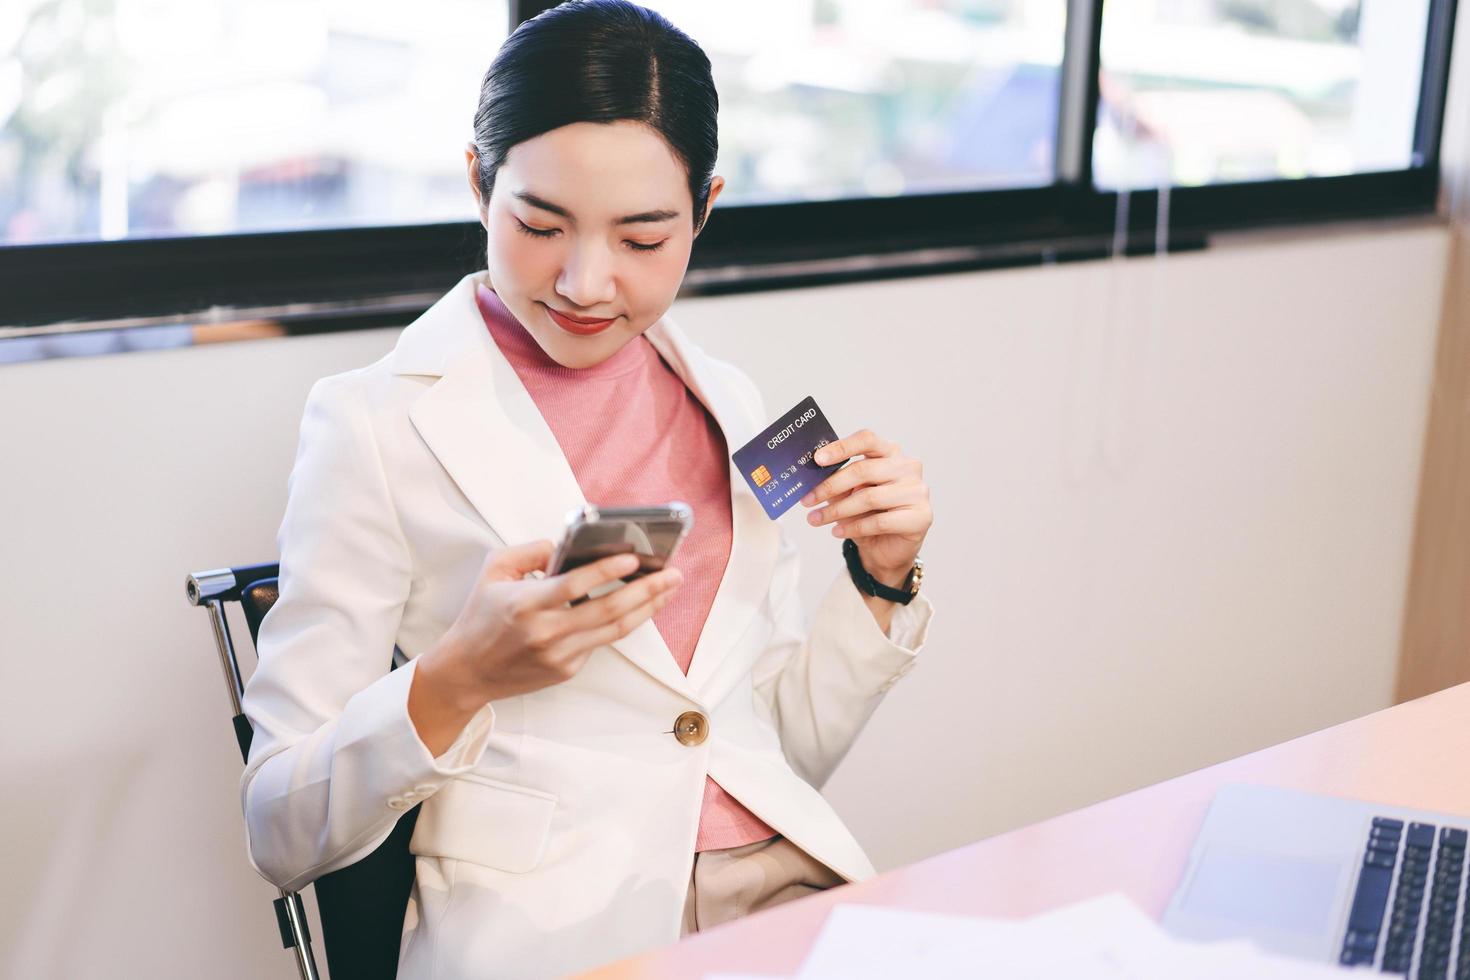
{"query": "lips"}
[(581, 326)]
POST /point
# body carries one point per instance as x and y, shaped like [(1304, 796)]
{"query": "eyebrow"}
[(642, 217)]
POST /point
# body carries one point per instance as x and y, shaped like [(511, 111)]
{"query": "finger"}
[(864, 441), (563, 588), (587, 640), (512, 562), (886, 496), (872, 470), (905, 520), (606, 609)]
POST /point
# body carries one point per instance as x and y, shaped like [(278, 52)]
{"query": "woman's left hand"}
[(880, 501)]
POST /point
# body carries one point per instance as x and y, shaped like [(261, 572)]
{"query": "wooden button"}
[(691, 728)]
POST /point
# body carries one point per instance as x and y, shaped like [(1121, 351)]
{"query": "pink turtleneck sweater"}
[(634, 434)]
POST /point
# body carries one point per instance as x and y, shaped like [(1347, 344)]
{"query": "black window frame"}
[(368, 276)]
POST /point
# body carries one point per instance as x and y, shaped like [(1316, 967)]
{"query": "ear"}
[(472, 168), (716, 184)]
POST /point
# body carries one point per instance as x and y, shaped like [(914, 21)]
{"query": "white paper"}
[(862, 941), (1102, 938)]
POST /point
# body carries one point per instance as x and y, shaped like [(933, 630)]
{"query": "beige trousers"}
[(735, 881)]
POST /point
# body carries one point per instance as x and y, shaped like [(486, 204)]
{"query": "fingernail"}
[(809, 499), (814, 518), (626, 563), (820, 455), (838, 531)]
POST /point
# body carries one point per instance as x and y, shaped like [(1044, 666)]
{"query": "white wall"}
[(1173, 524)]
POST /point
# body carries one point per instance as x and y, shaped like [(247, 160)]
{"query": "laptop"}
[(1329, 879)]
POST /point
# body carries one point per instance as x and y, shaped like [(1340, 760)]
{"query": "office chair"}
[(362, 905)]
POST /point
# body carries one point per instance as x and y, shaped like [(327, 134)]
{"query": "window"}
[(143, 118), (1213, 91), (870, 98), (299, 163)]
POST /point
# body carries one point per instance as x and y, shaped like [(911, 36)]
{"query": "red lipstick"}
[(581, 326)]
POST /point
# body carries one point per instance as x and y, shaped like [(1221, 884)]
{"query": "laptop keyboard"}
[(1424, 928)]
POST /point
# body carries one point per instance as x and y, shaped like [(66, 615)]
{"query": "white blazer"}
[(558, 831)]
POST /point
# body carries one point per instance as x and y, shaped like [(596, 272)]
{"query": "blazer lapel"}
[(483, 427), (754, 538)]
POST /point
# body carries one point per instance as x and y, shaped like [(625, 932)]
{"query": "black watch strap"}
[(871, 586)]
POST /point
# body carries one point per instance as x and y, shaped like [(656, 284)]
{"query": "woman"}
[(566, 819)]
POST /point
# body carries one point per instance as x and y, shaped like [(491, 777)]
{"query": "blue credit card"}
[(777, 464)]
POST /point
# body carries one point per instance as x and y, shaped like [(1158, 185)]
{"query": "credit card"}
[(777, 464)]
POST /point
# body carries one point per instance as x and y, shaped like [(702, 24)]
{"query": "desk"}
[(1412, 754)]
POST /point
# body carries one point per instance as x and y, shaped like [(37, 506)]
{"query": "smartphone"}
[(652, 533)]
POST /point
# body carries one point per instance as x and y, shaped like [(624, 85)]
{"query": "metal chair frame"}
[(211, 590)]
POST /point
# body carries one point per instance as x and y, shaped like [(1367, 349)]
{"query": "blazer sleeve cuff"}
[(910, 625), (379, 714), (892, 652)]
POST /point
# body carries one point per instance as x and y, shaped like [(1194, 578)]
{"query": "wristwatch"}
[(871, 586)]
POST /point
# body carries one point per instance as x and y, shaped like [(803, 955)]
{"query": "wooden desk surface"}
[(1412, 754)]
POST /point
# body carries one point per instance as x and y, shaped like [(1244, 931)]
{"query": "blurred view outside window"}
[(1216, 91), (140, 118), (830, 99), (136, 118)]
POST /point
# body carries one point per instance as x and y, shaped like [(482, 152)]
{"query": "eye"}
[(535, 232), (640, 247)]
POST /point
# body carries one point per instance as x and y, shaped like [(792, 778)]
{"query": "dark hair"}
[(600, 61)]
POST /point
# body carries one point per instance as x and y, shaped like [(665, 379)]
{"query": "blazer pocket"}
[(485, 821)]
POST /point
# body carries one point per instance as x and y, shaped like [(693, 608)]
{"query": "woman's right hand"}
[(516, 635)]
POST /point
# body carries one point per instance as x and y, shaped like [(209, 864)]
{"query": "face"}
[(589, 229)]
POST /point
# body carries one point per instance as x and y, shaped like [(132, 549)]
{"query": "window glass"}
[(139, 118), (826, 99), (1215, 91)]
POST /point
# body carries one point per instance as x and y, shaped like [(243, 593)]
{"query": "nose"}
[(586, 278)]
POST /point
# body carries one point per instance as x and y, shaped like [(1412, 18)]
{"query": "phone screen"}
[(652, 541)]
